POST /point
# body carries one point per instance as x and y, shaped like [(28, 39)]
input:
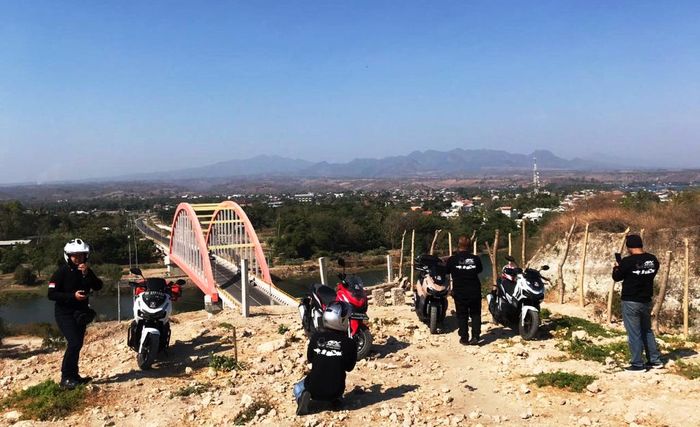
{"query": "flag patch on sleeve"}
[(52, 285)]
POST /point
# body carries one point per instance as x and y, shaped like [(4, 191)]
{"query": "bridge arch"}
[(231, 236)]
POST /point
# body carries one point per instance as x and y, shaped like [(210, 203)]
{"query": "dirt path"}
[(412, 378)]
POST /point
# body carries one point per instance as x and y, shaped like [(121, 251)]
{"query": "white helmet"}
[(76, 246), (336, 316)]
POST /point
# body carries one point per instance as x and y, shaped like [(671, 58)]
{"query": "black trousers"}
[(75, 335), (468, 308)]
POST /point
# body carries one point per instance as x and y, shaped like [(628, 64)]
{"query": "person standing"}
[(637, 272), (464, 267), (69, 288)]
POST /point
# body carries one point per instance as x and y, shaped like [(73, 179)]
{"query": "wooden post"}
[(235, 344), (322, 270), (388, 268), (493, 255), (449, 242), (244, 288), (510, 244), (611, 292), (403, 236), (582, 270), (662, 295), (413, 246), (432, 245), (686, 284), (562, 260), (523, 231), (474, 239)]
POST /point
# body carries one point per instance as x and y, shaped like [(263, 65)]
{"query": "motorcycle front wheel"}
[(433, 319), (147, 355), (363, 339), (529, 325)]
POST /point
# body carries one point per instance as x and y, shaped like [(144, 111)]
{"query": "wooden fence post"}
[(401, 256), (611, 291), (449, 242), (662, 295), (560, 266), (432, 245), (582, 271), (686, 283), (510, 244), (523, 230), (493, 254), (413, 245)]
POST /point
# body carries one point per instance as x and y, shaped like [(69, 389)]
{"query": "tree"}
[(24, 276)]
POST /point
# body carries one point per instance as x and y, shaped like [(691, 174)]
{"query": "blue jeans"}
[(637, 319), (299, 389)]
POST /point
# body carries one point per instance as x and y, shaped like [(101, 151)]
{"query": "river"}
[(40, 309)]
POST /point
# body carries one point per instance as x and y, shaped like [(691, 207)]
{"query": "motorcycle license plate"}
[(359, 316)]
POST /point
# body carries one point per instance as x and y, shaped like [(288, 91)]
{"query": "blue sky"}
[(100, 88)]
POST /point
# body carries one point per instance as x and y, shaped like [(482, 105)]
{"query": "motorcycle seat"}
[(325, 293)]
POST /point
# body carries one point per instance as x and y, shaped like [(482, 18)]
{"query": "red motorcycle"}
[(349, 290)]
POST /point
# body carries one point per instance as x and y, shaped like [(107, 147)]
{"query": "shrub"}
[(688, 370), (249, 413), (225, 363), (595, 352), (572, 324), (24, 276), (45, 401), (565, 380), (196, 388), (281, 329)]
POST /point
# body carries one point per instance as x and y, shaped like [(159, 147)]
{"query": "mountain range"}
[(429, 163)]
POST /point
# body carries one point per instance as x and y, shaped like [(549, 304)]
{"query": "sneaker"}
[(657, 365), (69, 383), (83, 380), (303, 403), (633, 368), (464, 341), (474, 341)]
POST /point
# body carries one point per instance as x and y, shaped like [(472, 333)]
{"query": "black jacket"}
[(464, 268), (331, 355), (65, 282), (637, 273)]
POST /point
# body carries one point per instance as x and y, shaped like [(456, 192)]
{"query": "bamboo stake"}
[(662, 295), (685, 288), (435, 236), (413, 245), (510, 244), (235, 345), (560, 266), (403, 236), (449, 242), (523, 230), (612, 284), (582, 270)]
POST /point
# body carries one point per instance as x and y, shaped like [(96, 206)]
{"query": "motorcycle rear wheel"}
[(363, 339)]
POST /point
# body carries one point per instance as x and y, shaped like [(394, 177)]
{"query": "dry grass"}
[(606, 213)]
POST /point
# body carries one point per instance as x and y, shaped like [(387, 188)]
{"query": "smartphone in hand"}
[(618, 258)]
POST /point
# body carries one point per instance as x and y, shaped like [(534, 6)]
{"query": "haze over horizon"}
[(93, 90)]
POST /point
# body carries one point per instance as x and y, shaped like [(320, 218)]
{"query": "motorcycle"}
[(149, 332), (430, 296), (516, 301), (350, 289)]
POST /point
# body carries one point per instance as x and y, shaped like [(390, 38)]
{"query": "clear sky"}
[(100, 88)]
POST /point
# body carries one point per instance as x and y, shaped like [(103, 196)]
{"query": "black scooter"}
[(430, 294)]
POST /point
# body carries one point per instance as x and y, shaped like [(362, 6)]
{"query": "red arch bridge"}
[(210, 243)]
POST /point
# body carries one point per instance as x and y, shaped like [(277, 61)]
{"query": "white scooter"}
[(149, 333)]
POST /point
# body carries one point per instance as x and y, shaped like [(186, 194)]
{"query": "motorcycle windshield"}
[(356, 287)]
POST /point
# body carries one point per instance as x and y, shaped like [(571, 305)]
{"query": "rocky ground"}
[(411, 378)]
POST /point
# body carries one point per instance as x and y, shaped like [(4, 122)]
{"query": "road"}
[(225, 278)]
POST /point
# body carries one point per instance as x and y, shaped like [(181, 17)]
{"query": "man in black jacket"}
[(69, 287), (331, 353), (464, 267), (637, 273)]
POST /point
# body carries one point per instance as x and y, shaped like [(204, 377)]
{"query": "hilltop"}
[(412, 378)]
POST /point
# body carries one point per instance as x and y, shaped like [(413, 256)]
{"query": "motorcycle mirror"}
[(341, 262), (180, 282), (545, 267), (136, 271), (510, 258)]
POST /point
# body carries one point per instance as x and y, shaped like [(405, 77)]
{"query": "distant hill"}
[(430, 163)]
